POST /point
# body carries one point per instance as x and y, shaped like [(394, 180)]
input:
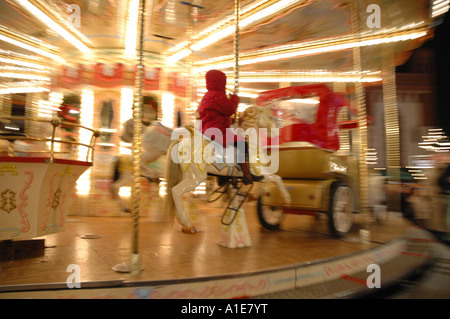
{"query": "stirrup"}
[(257, 178), (247, 181)]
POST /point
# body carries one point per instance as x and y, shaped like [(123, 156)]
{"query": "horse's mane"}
[(191, 129)]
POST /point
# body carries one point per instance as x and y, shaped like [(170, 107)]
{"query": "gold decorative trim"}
[(56, 198), (8, 168), (8, 200)]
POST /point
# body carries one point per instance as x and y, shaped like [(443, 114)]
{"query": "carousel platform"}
[(301, 260)]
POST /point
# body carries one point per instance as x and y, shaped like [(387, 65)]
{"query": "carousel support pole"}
[(236, 46), (391, 120), (135, 262), (236, 56), (190, 91), (135, 259), (362, 121)]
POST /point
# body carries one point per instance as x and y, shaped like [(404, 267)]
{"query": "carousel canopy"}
[(279, 41)]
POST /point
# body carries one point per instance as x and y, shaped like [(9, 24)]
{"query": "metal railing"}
[(55, 122)]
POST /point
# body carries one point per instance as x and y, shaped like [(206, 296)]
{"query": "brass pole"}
[(236, 56), (362, 117), (236, 46), (391, 121), (193, 13), (135, 264)]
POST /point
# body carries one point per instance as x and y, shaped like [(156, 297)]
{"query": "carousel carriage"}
[(319, 177), (38, 175)]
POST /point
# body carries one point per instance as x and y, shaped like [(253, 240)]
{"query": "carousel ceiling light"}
[(436, 141), (12, 128), (30, 61), (126, 113), (168, 108), (205, 32), (23, 76), (108, 130), (225, 28), (302, 49), (54, 26), (30, 48), (126, 104), (19, 69), (303, 79), (29, 89), (179, 55), (22, 63), (86, 119), (439, 8), (106, 144), (23, 83), (229, 20), (48, 108), (132, 27)]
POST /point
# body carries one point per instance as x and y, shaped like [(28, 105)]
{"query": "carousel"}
[(105, 174)]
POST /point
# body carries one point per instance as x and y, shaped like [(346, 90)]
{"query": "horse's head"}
[(256, 117), (156, 138), (265, 118), (128, 130), (249, 118)]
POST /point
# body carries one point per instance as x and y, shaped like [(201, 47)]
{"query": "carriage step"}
[(230, 204), (218, 192), (243, 195)]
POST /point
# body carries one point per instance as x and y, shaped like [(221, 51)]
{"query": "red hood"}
[(216, 80)]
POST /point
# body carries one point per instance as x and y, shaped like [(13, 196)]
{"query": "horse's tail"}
[(172, 175)]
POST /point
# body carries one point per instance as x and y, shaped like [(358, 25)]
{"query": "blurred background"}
[(77, 60)]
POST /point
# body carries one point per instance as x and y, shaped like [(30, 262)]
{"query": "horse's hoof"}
[(188, 230)]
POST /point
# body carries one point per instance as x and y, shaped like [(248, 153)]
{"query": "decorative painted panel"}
[(34, 197)]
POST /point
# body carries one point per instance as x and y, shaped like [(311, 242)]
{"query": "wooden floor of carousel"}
[(301, 260)]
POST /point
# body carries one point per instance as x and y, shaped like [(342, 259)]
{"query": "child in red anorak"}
[(215, 111)]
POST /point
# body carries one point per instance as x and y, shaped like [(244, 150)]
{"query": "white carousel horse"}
[(192, 156), (155, 142)]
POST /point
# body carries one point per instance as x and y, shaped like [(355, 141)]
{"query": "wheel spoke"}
[(343, 209)]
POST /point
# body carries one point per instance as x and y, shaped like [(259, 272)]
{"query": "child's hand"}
[(233, 97)]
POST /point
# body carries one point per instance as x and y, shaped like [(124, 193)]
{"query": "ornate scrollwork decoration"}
[(8, 200)]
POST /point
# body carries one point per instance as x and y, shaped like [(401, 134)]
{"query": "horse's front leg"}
[(272, 178), (190, 181)]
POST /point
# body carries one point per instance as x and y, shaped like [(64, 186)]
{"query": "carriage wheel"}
[(269, 216), (342, 207)]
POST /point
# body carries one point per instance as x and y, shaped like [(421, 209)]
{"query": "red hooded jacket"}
[(216, 108)]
